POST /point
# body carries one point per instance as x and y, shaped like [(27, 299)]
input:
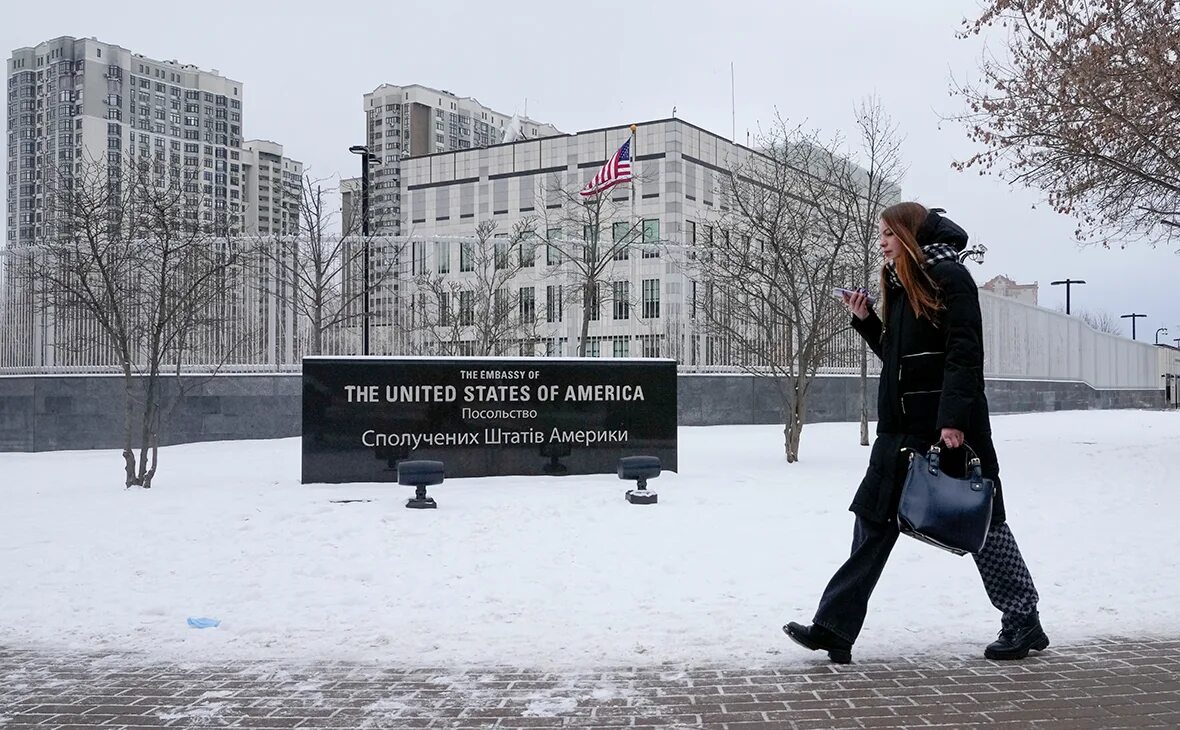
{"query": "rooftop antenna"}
[(732, 106)]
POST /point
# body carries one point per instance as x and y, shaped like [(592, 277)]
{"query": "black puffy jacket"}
[(931, 378)]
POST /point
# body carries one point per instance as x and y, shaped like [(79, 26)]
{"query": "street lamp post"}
[(1157, 334), (975, 253), (1068, 283), (1132, 316), (367, 158)]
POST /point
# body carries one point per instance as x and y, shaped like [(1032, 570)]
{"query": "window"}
[(502, 248), (552, 252), (620, 295), (619, 233), (467, 256), (651, 298), (651, 237), (444, 308), (622, 347), (528, 306), (650, 345), (500, 311), (442, 254), (466, 308), (418, 265), (528, 253), (596, 302), (593, 347), (553, 303), (590, 249)]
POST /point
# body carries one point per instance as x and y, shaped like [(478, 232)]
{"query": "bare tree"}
[(586, 236), (131, 268), (484, 306), (1102, 322), (770, 265), (1084, 107), (321, 274), (865, 191), (1096, 320)]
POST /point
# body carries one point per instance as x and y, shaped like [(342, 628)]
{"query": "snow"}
[(562, 572), (550, 706)]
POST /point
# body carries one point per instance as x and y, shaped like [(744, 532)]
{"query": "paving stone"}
[(1109, 683)]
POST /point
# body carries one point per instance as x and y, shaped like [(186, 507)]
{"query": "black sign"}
[(484, 416)]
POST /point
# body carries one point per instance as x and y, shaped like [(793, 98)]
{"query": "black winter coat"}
[(931, 378)]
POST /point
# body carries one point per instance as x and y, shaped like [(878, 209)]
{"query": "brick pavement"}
[(1106, 684)]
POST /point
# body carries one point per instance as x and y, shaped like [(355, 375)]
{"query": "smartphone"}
[(839, 293)]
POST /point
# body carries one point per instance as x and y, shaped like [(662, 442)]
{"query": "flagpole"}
[(635, 219), (634, 171)]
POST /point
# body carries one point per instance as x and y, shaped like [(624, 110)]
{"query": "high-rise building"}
[(77, 101), (272, 189), (350, 203), (405, 121)]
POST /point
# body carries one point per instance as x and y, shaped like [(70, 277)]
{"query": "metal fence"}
[(268, 322)]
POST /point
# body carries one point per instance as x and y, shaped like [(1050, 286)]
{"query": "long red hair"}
[(905, 219)]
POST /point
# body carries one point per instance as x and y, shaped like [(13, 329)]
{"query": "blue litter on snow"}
[(204, 623)]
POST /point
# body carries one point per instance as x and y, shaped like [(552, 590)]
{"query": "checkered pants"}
[(845, 601), (1005, 576)]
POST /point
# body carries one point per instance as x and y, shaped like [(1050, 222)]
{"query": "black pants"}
[(845, 601)]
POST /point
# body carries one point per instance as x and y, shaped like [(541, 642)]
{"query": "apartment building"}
[(272, 189), (414, 120), (79, 101)]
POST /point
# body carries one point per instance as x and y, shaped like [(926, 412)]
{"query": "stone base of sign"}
[(421, 503), (642, 496)]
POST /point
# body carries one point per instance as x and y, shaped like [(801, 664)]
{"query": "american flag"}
[(616, 170)]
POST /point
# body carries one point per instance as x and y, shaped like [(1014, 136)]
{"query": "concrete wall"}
[(1030, 343), (47, 412), (706, 400)]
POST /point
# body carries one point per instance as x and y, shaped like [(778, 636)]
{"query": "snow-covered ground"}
[(562, 572)]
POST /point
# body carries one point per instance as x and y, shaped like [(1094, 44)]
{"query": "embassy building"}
[(647, 296)]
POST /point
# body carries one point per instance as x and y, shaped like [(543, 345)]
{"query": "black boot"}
[(817, 637), (1017, 639)]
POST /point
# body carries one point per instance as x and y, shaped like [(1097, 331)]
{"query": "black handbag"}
[(947, 512)]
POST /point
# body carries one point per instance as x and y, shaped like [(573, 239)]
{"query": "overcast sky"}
[(305, 66)]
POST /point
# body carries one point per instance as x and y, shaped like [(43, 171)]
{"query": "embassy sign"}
[(484, 416)]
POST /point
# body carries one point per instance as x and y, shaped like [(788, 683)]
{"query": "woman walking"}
[(929, 339)]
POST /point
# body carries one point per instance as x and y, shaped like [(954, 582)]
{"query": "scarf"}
[(935, 253)]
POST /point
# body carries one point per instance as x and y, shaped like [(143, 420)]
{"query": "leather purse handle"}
[(974, 465)]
